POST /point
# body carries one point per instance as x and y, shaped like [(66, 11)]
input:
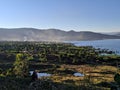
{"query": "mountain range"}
[(32, 34), (113, 33)]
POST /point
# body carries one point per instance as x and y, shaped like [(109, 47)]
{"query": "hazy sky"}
[(79, 15)]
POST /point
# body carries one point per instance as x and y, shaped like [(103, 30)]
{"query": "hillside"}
[(113, 33), (32, 34), (118, 34)]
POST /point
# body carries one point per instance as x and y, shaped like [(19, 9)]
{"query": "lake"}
[(78, 74), (111, 44), (41, 74)]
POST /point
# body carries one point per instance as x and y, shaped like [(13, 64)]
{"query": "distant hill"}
[(118, 34), (32, 34), (113, 33)]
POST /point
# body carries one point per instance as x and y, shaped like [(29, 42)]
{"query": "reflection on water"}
[(78, 74), (111, 44), (41, 74)]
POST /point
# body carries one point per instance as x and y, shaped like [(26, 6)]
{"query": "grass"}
[(96, 78)]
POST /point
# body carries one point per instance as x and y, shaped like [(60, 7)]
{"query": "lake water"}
[(41, 74), (78, 74), (111, 44)]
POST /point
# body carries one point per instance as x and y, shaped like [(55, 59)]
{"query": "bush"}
[(43, 84), (117, 78)]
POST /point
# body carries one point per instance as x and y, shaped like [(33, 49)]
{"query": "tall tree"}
[(21, 65)]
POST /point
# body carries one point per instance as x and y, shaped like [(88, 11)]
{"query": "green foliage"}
[(55, 52), (117, 78), (42, 84), (9, 72), (31, 55), (12, 83), (21, 65)]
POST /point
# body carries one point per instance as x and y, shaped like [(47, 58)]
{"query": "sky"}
[(78, 15)]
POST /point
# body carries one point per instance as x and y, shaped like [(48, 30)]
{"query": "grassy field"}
[(95, 76)]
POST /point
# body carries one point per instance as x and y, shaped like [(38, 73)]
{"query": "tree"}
[(21, 65), (117, 78)]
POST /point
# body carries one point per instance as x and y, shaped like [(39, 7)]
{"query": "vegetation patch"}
[(62, 60)]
